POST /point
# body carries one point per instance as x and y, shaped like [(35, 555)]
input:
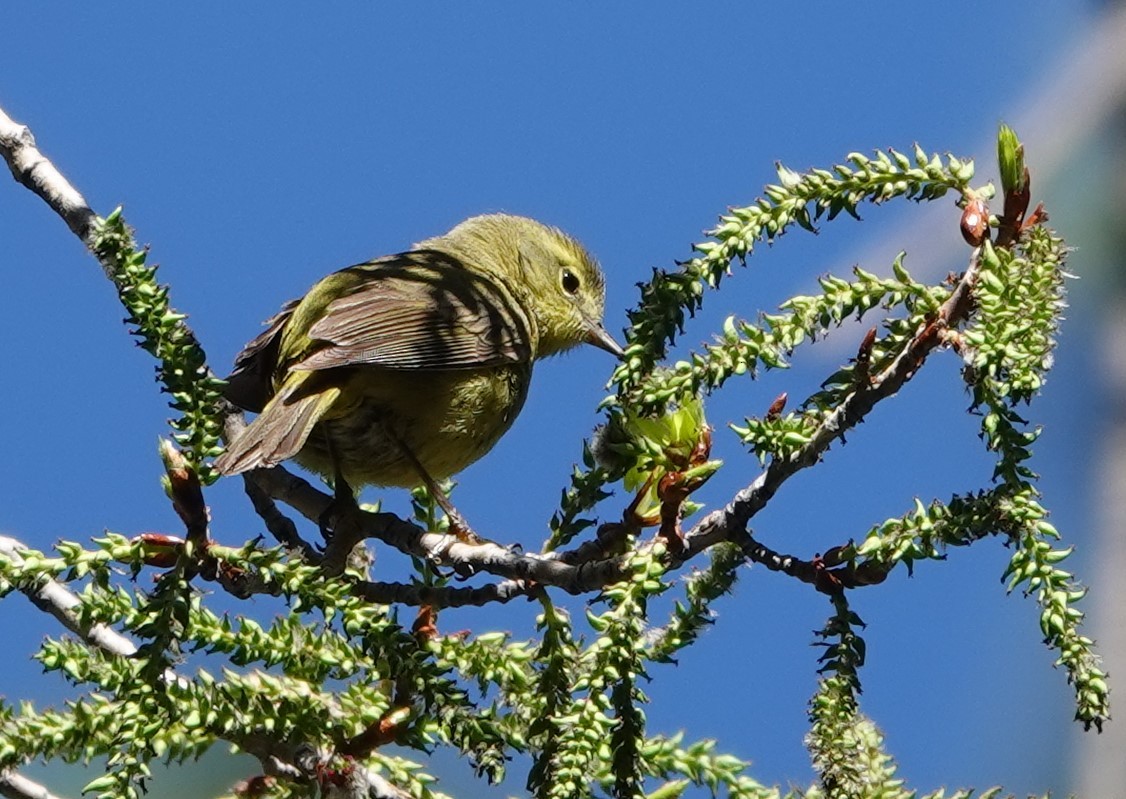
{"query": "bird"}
[(406, 369)]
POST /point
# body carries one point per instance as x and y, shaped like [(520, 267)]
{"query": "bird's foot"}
[(460, 529), (343, 513)]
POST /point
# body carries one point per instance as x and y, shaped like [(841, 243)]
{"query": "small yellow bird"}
[(406, 369)]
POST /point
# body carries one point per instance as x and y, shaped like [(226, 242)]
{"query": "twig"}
[(825, 573), (31, 168), (721, 524), (757, 552), (440, 596), (300, 763), (54, 598), (438, 548), (280, 526), (13, 785)]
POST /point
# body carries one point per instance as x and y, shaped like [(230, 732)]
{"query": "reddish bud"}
[(425, 625), (260, 785), (1038, 216), (776, 407), (864, 357), (975, 222), (160, 550), (703, 447), (184, 490)]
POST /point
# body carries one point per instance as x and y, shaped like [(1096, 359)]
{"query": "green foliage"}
[(319, 691), (1010, 159), (586, 491), (744, 346), (801, 199), (847, 748), (598, 726), (162, 333), (557, 659), (689, 617)]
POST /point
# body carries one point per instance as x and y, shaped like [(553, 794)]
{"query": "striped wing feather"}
[(417, 310), (250, 385), (432, 316)]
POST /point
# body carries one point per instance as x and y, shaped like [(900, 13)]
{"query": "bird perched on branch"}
[(404, 370)]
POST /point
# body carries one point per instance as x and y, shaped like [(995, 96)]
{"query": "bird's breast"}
[(447, 420)]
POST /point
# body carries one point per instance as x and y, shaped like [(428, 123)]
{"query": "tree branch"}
[(13, 785), (301, 762), (721, 524), (440, 597), (31, 168), (54, 598), (280, 526), (564, 569)]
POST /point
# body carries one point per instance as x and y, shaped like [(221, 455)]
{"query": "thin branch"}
[(721, 524), (437, 548), (442, 596), (568, 570), (757, 552), (300, 762), (13, 785), (280, 526), (52, 597), (31, 168)]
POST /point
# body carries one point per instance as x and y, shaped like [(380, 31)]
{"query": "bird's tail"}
[(280, 431)]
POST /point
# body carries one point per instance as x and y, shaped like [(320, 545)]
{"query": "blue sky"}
[(258, 147)]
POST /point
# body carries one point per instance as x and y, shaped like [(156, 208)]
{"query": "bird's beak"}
[(596, 334)]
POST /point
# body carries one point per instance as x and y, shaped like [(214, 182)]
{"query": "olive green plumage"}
[(416, 362)]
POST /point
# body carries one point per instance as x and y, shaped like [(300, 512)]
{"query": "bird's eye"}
[(570, 281)]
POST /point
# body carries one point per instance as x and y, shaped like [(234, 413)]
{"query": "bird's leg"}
[(459, 527), (344, 505)]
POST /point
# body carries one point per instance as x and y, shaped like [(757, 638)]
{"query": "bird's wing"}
[(419, 310), (250, 385), (281, 430)]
